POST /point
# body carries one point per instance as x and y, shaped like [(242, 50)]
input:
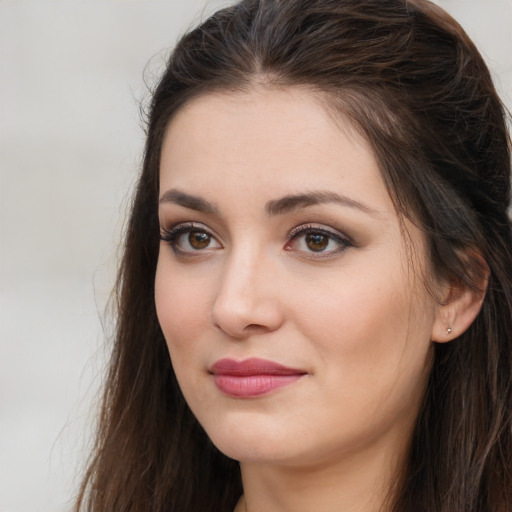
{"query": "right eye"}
[(189, 238)]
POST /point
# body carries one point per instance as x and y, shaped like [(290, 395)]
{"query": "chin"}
[(249, 442), (261, 452)]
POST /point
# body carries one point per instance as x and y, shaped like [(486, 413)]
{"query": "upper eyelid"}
[(172, 234), (184, 227), (298, 230), (305, 228), (187, 225)]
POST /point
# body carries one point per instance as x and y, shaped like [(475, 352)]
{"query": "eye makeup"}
[(313, 241), (316, 240), (187, 238)]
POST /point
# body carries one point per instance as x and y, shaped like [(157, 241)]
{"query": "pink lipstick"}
[(252, 378)]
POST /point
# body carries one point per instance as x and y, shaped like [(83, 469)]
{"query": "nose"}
[(247, 301)]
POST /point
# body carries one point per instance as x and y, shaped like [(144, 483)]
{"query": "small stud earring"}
[(449, 331)]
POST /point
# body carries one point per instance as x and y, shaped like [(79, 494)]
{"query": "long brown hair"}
[(416, 87)]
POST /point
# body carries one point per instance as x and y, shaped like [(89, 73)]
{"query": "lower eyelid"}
[(340, 245), (173, 234)]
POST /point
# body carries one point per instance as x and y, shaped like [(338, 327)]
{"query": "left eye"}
[(316, 240)]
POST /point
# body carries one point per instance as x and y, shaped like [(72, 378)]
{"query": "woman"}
[(320, 241)]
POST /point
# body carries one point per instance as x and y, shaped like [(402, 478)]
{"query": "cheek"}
[(183, 310), (182, 306), (371, 334), (357, 312)]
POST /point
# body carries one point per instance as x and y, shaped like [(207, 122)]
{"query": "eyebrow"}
[(286, 204), (188, 201), (294, 202)]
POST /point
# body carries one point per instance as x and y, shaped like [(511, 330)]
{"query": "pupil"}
[(198, 240), (316, 242)]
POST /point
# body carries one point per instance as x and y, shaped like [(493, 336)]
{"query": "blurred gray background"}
[(71, 81)]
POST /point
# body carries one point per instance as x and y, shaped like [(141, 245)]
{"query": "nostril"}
[(255, 328)]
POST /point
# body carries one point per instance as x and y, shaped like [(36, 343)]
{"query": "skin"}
[(355, 317)]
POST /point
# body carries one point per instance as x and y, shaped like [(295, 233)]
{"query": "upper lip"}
[(252, 366)]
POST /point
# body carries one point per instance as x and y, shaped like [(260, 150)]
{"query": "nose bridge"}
[(242, 269), (247, 299)]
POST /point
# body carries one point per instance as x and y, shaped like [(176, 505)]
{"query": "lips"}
[(252, 378)]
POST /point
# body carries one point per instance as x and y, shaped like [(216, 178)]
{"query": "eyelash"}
[(303, 230), (172, 235)]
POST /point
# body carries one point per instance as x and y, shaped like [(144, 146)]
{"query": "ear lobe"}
[(461, 306)]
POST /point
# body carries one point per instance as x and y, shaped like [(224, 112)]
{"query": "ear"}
[(461, 304)]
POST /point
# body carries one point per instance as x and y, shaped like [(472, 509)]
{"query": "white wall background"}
[(70, 145)]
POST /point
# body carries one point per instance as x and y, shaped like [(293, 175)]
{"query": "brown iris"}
[(316, 241), (199, 239)]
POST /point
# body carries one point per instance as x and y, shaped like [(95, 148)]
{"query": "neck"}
[(360, 483)]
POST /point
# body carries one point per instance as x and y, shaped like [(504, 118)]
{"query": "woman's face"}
[(294, 311)]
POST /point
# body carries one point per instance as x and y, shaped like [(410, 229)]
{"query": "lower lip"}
[(253, 386)]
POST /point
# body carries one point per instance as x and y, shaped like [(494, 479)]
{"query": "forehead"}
[(273, 138), (295, 114)]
